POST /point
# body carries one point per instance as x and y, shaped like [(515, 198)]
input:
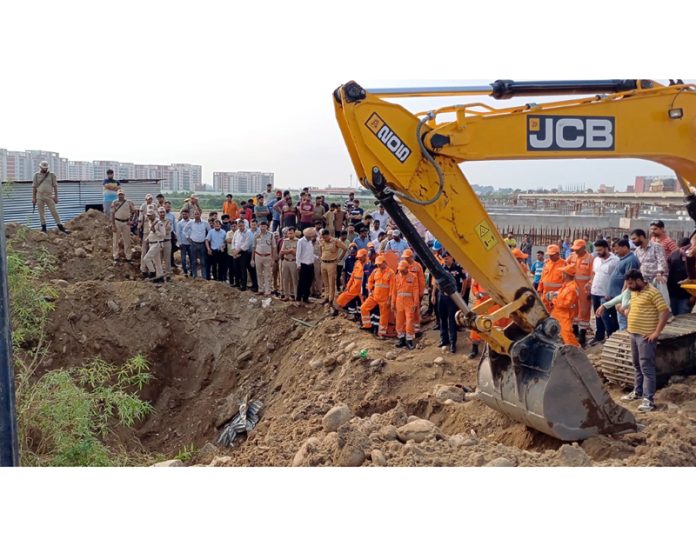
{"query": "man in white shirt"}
[(602, 267), (184, 243), (382, 216), (375, 230), (196, 232), (242, 241), (305, 264)]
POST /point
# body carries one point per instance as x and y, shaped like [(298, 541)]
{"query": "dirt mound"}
[(210, 347)]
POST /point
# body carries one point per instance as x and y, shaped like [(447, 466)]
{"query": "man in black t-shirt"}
[(447, 308)]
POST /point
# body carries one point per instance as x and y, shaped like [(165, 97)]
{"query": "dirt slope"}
[(209, 347)]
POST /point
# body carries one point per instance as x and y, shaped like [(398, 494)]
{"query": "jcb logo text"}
[(570, 133)]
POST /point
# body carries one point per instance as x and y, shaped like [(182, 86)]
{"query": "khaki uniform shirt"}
[(156, 234), (330, 250), (264, 244), (191, 208), (123, 211), (289, 244), (45, 185)]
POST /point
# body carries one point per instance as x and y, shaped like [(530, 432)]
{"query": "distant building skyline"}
[(21, 165), (242, 181)]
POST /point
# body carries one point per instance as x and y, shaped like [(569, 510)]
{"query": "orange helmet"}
[(553, 249), (408, 253), (578, 244), (380, 260), (403, 265), (517, 253), (361, 253)]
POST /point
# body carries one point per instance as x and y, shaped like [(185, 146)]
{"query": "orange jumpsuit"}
[(477, 289), (353, 286), (583, 274), (565, 307), (417, 270), (551, 280), (405, 300), (381, 285)]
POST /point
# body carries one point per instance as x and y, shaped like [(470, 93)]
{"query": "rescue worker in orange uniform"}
[(480, 295), (354, 285), (551, 276), (582, 260), (380, 286), (417, 269), (565, 305), (521, 258), (403, 303)]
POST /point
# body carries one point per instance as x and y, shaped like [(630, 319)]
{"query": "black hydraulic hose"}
[(505, 89), (9, 450)]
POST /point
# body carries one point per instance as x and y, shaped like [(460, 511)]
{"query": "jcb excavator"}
[(526, 372)]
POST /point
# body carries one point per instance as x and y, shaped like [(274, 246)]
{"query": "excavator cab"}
[(526, 372)]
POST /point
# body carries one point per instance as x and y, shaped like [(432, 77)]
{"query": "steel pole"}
[(9, 450), (431, 91)]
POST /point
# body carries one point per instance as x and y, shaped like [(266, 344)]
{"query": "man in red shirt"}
[(659, 235), (306, 210)]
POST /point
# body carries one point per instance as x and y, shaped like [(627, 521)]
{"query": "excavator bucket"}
[(552, 388)]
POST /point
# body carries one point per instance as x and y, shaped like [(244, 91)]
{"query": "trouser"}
[(217, 264), (107, 208), (198, 253), (43, 201), (405, 312), (346, 300), (608, 324), (185, 251), (643, 353), (417, 314), (565, 319), (623, 321), (153, 259), (304, 284), (289, 278), (448, 327), (123, 236), (251, 272), (680, 306), (174, 248), (264, 271), (339, 274), (208, 263), (144, 248), (368, 306), (582, 319), (232, 270), (242, 262), (317, 283), (275, 224), (166, 256), (328, 278), (275, 274)]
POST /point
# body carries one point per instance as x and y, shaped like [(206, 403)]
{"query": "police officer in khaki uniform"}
[(330, 248), (166, 242), (191, 205), (145, 246), (288, 266), (44, 192), (153, 259), (264, 252), (122, 211)]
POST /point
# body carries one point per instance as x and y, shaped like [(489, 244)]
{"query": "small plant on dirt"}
[(186, 453)]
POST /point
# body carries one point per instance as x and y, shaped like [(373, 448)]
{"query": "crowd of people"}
[(359, 264)]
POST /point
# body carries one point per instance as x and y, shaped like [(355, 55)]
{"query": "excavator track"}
[(676, 353)]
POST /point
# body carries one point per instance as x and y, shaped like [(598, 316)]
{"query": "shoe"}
[(594, 342), (419, 335), (43, 228), (631, 396), (401, 343), (61, 228), (443, 344), (582, 338), (575, 330), (646, 405), (474, 352), (436, 326), (410, 345), (452, 348)]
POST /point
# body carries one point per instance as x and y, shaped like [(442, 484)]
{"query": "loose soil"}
[(210, 346)]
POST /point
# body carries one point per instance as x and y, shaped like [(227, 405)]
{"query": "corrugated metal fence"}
[(74, 197), (547, 235)]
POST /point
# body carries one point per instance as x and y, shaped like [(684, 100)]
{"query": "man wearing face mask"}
[(44, 193)]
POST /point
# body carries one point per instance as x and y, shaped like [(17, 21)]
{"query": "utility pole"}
[(9, 451)]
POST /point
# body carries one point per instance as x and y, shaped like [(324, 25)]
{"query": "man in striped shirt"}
[(659, 236), (647, 318)]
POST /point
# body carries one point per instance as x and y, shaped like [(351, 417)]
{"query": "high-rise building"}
[(244, 182), (80, 170), (183, 177)]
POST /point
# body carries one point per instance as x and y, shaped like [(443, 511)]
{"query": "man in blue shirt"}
[(275, 214), (110, 188), (537, 268), (215, 245), (627, 261), (397, 244), (363, 239)]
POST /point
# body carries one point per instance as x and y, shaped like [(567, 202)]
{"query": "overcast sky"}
[(249, 87)]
